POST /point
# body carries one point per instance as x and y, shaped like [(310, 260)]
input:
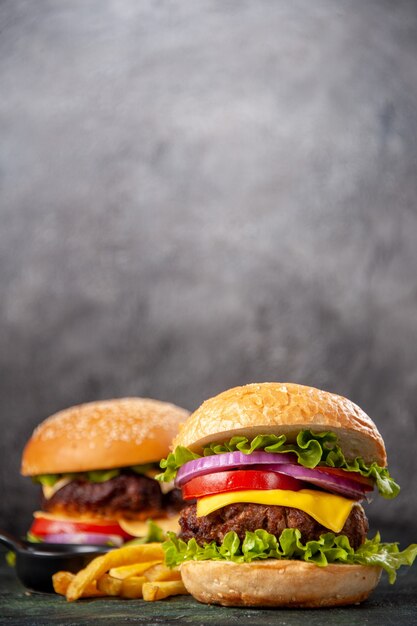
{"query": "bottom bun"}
[(278, 583)]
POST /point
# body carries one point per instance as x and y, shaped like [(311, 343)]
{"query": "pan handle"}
[(11, 542)]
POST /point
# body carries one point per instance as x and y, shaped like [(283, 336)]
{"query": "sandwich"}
[(96, 464), (275, 475)]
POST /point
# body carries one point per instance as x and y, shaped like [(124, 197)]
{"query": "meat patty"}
[(274, 519), (129, 495)]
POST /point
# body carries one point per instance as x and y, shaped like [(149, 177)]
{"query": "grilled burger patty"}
[(274, 519), (128, 495)]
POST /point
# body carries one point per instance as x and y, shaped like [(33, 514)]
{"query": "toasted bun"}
[(282, 408), (102, 435), (274, 583)]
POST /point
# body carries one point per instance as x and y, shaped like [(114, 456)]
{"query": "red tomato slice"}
[(337, 471), (238, 480), (42, 526)]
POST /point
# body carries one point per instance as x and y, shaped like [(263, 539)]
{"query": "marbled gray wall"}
[(196, 195)]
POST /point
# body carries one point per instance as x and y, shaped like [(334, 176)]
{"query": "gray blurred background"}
[(196, 195)]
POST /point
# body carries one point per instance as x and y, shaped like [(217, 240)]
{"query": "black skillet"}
[(35, 563)]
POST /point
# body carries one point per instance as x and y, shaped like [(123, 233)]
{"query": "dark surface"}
[(388, 605), (35, 564), (196, 195)]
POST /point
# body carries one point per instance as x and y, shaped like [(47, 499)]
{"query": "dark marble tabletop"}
[(390, 604)]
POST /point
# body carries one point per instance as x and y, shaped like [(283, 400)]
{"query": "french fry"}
[(132, 587), (61, 581), (115, 558), (161, 572), (126, 571), (109, 586), (164, 589)]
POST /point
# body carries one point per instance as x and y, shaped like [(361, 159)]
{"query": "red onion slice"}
[(228, 460), (335, 484), (93, 539)]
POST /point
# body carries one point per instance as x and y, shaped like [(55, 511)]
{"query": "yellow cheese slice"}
[(48, 491), (328, 509)]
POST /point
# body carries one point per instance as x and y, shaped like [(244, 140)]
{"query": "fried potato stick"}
[(161, 572), (126, 571), (61, 581), (115, 558), (109, 586), (132, 587), (164, 589)]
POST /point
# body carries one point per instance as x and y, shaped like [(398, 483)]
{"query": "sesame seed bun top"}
[(102, 435), (282, 408)]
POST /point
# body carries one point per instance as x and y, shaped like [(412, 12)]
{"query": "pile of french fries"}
[(130, 572)]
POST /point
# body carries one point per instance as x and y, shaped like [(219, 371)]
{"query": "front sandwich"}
[(275, 475), (97, 463)]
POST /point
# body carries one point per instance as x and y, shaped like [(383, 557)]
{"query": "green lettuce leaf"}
[(96, 476), (100, 476), (48, 480), (174, 461), (33, 538), (260, 544), (311, 449)]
